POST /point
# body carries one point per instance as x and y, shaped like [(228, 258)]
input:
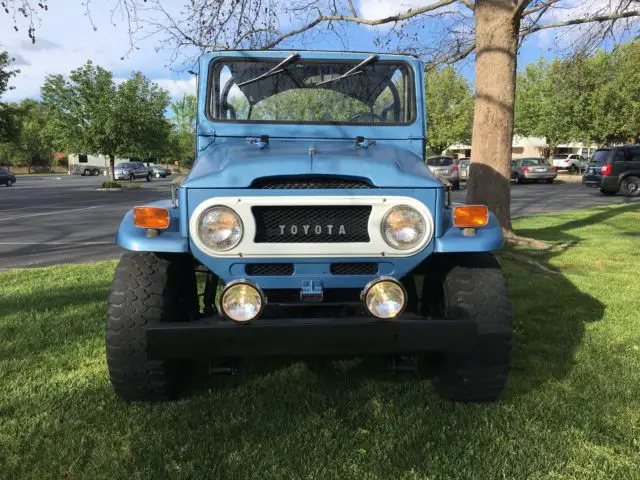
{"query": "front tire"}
[(9, 183), (473, 287), (147, 288)]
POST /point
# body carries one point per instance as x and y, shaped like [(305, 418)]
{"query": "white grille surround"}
[(376, 247)]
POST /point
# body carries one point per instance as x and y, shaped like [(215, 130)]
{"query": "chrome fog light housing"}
[(242, 301), (384, 298), (403, 227), (220, 228)]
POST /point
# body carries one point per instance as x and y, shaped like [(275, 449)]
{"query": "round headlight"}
[(241, 301), (403, 227), (384, 298), (220, 228)]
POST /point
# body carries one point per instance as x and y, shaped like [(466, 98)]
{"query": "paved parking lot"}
[(48, 220)]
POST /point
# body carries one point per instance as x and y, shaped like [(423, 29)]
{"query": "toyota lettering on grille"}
[(312, 230)]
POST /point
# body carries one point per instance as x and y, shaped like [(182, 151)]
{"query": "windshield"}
[(464, 163), (440, 161), (528, 162), (310, 91)]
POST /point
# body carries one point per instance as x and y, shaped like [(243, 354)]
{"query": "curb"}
[(108, 189)]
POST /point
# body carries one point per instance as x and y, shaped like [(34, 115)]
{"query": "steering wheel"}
[(366, 114)]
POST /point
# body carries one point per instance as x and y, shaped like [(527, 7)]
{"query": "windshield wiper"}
[(357, 70), (278, 69)]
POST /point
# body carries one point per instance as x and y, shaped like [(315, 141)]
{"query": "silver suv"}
[(445, 169), (132, 170)]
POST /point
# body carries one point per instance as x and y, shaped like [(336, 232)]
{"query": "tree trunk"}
[(496, 48), (112, 168)]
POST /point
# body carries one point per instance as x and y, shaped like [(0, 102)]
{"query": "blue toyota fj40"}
[(318, 230)]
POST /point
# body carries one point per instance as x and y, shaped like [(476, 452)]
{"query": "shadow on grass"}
[(560, 233)]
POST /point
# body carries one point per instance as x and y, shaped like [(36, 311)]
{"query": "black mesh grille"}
[(354, 268), (312, 224), (269, 269), (305, 183)]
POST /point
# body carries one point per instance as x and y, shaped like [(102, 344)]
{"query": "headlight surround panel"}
[(377, 247)]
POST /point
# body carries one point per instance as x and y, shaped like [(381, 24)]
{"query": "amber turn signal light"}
[(470, 216), (151, 217)]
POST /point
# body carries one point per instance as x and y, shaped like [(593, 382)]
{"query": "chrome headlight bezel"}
[(240, 283), (239, 224), (421, 232), (364, 296)]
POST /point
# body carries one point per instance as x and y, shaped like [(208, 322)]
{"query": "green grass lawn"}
[(572, 408)]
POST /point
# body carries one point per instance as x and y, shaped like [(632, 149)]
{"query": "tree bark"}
[(497, 30), (112, 168)]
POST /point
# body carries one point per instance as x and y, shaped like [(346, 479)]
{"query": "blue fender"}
[(135, 238), (487, 239)]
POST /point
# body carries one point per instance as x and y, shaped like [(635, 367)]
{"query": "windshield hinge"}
[(261, 142), (362, 142)]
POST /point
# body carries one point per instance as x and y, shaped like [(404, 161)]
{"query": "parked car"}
[(463, 165), (132, 170), (615, 169), (445, 169), (309, 251), (570, 162), (7, 177), (159, 171), (532, 169)]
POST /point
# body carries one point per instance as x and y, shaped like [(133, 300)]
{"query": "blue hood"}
[(237, 164)]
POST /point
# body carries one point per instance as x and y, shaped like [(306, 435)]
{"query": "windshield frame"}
[(411, 99)]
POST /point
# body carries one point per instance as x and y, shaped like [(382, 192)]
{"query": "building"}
[(523, 147)]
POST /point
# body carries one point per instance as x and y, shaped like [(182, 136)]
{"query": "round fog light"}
[(385, 298), (241, 301)]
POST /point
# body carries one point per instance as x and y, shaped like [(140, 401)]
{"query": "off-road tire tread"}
[(474, 287), (147, 288)]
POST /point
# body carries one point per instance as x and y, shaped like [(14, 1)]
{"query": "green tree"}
[(185, 112), (183, 135), (89, 114), (586, 98), (449, 104), (8, 126), (34, 144)]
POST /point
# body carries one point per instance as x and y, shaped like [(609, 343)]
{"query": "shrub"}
[(111, 184)]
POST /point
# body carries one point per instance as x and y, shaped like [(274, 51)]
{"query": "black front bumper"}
[(214, 337)]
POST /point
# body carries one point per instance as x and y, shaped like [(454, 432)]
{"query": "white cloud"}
[(178, 88), (65, 40)]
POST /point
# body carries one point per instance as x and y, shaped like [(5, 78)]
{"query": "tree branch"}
[(579, 21), (363, 21), (522, 4), (353, 9), (539, 7)]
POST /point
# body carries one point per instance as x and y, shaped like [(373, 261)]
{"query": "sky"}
[(66, 39)]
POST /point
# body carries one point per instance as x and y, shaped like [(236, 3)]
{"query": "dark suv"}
[(615, 169)]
